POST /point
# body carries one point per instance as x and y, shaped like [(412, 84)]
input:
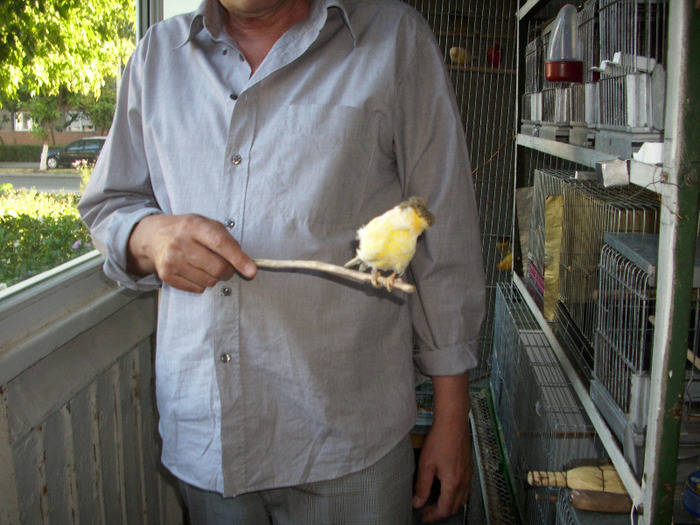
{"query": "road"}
[(43, 182)]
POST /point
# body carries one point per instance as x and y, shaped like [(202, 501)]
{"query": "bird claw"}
[(387, 282), (390, 281)]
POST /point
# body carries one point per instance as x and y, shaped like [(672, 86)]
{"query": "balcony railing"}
[(78, 422)]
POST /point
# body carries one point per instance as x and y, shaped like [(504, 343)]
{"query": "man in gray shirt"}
[(275, 129)]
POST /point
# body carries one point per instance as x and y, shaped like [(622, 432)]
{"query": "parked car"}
[(88, 148)]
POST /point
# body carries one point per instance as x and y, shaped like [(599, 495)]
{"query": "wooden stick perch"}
[(334, 269)]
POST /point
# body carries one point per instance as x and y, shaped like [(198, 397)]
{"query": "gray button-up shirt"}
[(294, 376)]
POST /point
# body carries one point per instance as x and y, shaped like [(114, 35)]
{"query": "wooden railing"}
[(78, 422)]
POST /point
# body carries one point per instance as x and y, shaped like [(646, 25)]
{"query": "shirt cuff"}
[(450, 361), (115, 258)]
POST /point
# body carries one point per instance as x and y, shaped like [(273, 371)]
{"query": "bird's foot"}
[(390, 281), (375, 279)]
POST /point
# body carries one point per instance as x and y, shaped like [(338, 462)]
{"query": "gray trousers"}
[(381, 494)]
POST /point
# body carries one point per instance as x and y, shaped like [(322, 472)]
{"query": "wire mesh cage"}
[(624, 339), (542, 422), (560, 110), (542, 266), (632, 46), (478, 41), (485, 84), (589, 212)]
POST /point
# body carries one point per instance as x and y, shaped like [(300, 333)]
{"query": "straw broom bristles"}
[(603, 478)]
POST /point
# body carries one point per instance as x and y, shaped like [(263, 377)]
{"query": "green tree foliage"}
[(100, 109), (73, 45), (45, 113)]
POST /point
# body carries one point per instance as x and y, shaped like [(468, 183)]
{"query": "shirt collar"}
[(210, 15)]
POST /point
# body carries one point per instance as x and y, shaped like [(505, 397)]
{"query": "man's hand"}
[(188, 252), (446, 454)]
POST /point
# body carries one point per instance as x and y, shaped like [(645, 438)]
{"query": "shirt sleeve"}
[(448, 308), (119, 192)]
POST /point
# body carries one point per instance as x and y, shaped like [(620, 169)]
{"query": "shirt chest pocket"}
[(316, 165)]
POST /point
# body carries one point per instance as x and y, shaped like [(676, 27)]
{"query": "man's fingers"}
[(216, 238), (447, 505), (421, 491), (188, 252)]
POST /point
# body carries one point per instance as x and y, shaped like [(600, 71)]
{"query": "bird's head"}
[(420, 208)]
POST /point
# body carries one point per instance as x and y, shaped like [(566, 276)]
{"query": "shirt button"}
[(225, 358), (236, 160), (226, 292), (230, 223)]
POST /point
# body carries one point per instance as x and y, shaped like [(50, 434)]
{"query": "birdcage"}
[(624, 339), (589, 212), (543, 249), (632, 83), (568, 515), (543, 424), (485, 84)]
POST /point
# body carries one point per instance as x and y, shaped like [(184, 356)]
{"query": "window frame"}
[(41, 313)]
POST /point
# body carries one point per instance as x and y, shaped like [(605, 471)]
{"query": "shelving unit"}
[(675, 182)]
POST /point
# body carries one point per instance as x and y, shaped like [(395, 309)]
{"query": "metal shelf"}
[(580, 155), (677, 187)]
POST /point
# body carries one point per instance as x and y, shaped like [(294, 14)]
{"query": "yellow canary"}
[(459, 55), (388, 242), (504, 248)]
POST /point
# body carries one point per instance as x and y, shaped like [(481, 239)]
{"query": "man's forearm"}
[(451, 404), (446, 453)]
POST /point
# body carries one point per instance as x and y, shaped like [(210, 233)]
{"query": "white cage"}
[(541, 419)]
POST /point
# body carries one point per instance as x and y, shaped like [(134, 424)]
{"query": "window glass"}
[(175, 7), (40, 227), (23, 121)]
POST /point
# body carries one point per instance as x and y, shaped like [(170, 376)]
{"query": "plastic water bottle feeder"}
[(564, 62)]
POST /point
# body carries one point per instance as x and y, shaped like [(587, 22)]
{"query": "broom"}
[(595, 477)]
